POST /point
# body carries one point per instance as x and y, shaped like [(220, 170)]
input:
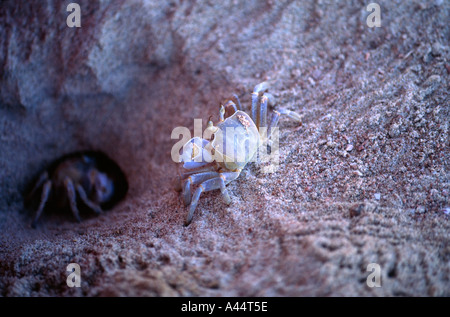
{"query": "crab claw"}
[(194, 153)]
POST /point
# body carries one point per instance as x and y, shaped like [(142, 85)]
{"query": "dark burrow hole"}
[(95, 180), (392, 273)]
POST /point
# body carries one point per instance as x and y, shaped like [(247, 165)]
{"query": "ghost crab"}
[(209, 164), (87, 179)]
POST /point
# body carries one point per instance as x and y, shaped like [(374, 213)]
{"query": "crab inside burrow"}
[(212, 163), (82, 180)]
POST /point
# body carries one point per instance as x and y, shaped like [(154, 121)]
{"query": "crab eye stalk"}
[(221, 113), (210, 123), (210, 129)]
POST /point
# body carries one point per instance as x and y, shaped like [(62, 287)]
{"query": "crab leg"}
[(42, 179), (262, 87), (273, 123), (254, 114), (291, 114), (94, 207), (44, 197), (238, 101), (212, 184), (194, 165), (68, 184), (178, 181), (263, 112), (232, 104), (276, 116), (205, 168), (194, 180), (271, 98)]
